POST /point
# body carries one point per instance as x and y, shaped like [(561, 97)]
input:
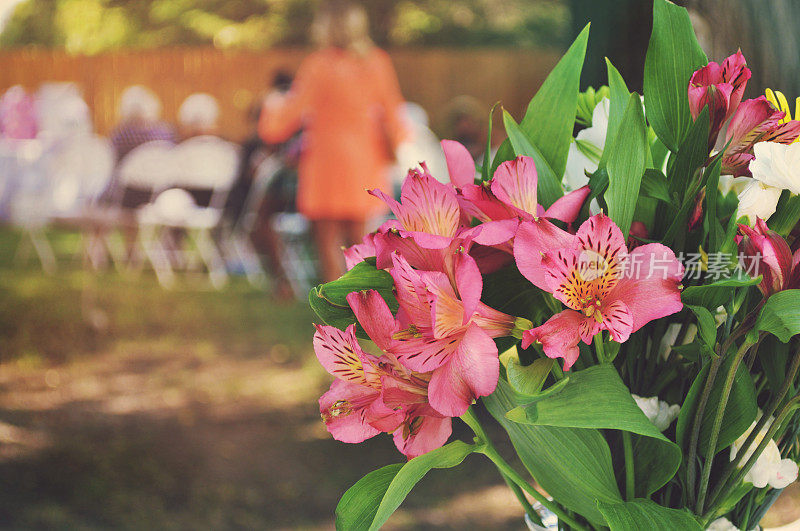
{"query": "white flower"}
[(756, 199), (659, 412), (776, 167), (587, 148), (769, 468), (722, 524)]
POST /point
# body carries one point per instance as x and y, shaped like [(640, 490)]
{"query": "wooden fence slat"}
[(430, 77)]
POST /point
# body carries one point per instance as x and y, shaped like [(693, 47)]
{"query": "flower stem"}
[(717, 426), (598, 346), (732, 482), (529, 510), (787, 382), (488, 449), (630, 488), (698, 416)]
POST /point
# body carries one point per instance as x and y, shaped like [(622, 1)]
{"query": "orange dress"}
[(348, 106)]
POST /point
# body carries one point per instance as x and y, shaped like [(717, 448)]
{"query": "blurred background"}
[(156, 368)]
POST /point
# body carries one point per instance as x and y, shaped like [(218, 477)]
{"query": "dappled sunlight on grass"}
[(124, 405)]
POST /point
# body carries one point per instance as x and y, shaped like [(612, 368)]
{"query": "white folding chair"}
[(80, 168), (148, 168), (294, 230), (203, 163), (235, 240), (31, 205)]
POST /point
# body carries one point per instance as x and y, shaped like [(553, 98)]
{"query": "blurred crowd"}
[(180, 197)]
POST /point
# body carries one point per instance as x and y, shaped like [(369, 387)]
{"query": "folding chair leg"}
[(211, 257), (43, 249), (94, 251), (148, 240), (249, 259)]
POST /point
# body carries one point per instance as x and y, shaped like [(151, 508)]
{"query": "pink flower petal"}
[(430, 206), (410, 290), (617, 319), (359, 252), (460, 165), (469, 283), (488, 206), (568, 207), (559, 336), (421, 258), (344, 409), (496, 232), (752, 120), (341, 355), (471, 371), (649, 286), (514, 183), (425, 434), (425, 353), (533, 240), (447, 313), (374, 316), (784, 133)]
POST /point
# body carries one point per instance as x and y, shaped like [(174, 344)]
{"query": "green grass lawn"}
[(128, 406)]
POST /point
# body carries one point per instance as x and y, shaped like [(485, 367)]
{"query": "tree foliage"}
[(93, 26)]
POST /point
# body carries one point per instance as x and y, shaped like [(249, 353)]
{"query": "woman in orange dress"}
[(346, 98)]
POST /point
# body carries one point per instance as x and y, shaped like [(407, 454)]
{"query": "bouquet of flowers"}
[(625, 303)]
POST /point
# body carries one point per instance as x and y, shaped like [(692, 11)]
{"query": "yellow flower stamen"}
[(779, 101)]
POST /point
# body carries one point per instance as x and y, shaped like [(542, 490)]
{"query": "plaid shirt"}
[(132, 134)]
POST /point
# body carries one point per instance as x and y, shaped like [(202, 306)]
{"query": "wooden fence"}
[(430, 77)]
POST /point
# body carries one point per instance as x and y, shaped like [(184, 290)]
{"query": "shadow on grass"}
[(123, 405)]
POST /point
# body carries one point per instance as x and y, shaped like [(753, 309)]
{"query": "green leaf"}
[(598, 184), (626, 163), (573, 465), (654, 184), (550, 117), (692, 155), (779, 316), (447, 456), (618, 100), (373, 499), (329, 301), (485, 175), (549, 187), (775, 363), (673, 54), (739, 414), (718, 293), (716, 234), (706, 324), (786, 215), (528, 379), (597, 398), (639, 514), (504, 152), (358, 506)]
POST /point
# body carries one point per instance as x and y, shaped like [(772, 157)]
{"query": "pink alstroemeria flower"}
[(427, 212), (764, 252), (755, 120), (511, 196), (447, 333), (720, 86), (371, 394), (604, 286), (428, 227), (357, 253)]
